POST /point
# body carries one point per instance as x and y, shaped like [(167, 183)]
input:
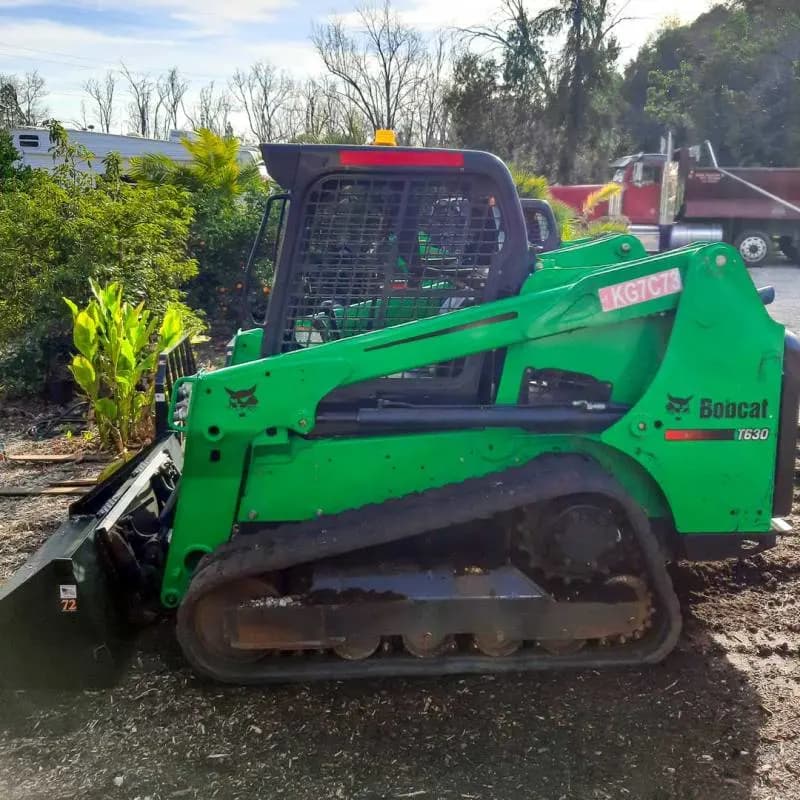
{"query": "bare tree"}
[(316, 109), (265, 95), (171, 89), (213, 111), (102, 97), (83, 121), (320, 113), (429, 112), (21, 99), (140, 109), (377, 65)]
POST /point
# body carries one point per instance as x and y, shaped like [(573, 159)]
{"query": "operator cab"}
[(372, 237), (431, 256)]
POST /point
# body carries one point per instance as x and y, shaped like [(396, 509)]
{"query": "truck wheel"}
[(789, 249), (755, 247)]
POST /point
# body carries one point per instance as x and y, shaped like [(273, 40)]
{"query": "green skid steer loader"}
[(443, 451)]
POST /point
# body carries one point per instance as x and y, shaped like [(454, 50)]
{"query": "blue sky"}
[(69, 41)]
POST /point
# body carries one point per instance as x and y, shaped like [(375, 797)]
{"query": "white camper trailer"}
[(34, 146)]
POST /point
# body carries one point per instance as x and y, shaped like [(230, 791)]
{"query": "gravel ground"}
[(720, 719)]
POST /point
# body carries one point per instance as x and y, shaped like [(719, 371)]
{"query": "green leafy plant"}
[(118, 346)]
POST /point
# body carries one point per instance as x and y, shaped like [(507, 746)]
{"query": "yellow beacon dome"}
[(385, 137)]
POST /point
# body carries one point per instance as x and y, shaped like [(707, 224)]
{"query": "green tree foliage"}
[(117, 348), (57, 231), (555, 112), (732, 76), (8, 158), (537, 186), (584, 71), (221, 238), (228, 199), (479, 117)]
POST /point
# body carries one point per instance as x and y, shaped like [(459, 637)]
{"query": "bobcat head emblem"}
[(678, 405), (242, 400)]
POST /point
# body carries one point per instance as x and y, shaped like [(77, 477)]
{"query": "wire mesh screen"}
[(379, 251)]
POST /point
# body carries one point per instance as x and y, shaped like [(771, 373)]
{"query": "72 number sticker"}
[(68, 597)]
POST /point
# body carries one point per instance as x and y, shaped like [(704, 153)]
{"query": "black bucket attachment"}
[(65, 615)]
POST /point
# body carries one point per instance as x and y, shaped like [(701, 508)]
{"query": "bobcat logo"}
[(678, 405), (242, 400)]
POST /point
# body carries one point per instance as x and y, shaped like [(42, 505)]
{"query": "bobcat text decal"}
[(733, 409), (640, 290)]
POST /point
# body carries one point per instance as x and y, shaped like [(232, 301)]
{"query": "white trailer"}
[(34, 146)]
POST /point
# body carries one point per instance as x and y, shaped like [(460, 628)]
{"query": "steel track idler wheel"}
[(357, 648), (562, 647), (496, 644), (428, 645)]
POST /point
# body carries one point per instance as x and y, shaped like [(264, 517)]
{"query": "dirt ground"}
[(720, 719)]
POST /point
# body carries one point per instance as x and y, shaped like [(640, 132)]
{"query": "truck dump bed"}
[(713, 193)]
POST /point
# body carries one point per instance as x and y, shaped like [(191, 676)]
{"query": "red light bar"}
[(389, 157)]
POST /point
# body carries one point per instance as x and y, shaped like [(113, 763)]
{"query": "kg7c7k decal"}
[(640, 290)]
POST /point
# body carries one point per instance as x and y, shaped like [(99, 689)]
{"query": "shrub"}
[(228, 200), (572, 223), (536, 186), (222, 234), (56, 232), (116, 361)]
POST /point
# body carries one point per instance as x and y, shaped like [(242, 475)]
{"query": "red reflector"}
[(389, 157)]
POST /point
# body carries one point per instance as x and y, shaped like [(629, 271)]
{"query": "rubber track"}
[(265, 550)]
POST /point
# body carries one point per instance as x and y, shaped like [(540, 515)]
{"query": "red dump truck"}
[(688, 197)]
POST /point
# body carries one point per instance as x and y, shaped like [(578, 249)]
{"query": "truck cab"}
[(686, 196)]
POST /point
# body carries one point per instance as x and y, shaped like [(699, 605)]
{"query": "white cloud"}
[(209, 39), (67, 55)]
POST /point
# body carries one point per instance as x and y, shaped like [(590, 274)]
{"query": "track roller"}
[(428, 645)]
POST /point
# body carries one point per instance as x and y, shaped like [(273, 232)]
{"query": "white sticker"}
[(640, 290), (68, 591), (160, 397)]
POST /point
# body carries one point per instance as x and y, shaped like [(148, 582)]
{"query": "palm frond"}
[(601, 195), (152, 169), (529, 184)]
